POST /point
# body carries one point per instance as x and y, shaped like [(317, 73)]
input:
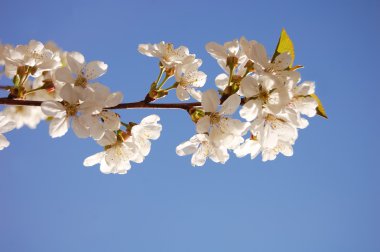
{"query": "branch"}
[(129, 105)]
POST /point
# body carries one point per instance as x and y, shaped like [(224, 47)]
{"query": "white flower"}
[(34, 55), (121, 150), (250, 146), (24, 115), (229, 51), (302, 102), (99, 123), (282, 147), (148, 129), (274, 129), (279, 68), (168, 55), (78, 72), (262, 92), (115, 158), (77, 102), (6, 125), (188, 77), (223, 129), (201, 147)]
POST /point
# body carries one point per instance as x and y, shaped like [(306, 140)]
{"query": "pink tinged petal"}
[(95, 69), (113, 99), (230, 105), (53, 108), (203, 124), (75, 60), (94, 159), (182, 93), (4, 143), (222, 81), (210, 100), (64, 75), (58, 127), (250, 110), (217, 51), (79, 129)]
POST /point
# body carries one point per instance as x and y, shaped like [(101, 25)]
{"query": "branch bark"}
[(129, 105)]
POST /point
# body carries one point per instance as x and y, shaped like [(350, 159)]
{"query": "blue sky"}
[(324, 198)]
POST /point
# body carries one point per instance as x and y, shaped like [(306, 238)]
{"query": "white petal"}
[(3, 142), (95, 69), (249, 87), (222, 81), (210, 100), (113, 99), (53, 108), (250, 110), (230, 105), (203, 124), (217, 51), (58, 127), (6, 125), (186, 148), (94, 159), (68, 93), (182, 93), (80, 130), (75, 60)]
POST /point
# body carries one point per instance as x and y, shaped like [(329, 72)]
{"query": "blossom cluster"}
[(258, 107)]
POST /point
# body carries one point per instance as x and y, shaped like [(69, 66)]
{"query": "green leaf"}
[(284, 44), (320, 109)]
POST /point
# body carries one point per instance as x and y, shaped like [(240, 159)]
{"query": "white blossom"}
[(34, 55), (222, 128), (77, 103), (278, 68), (78, 72), (262, 92), (121, 150), (188, 78), (201, 147), (167, 54)]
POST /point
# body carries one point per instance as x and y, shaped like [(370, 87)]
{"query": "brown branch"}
[(129, 105)]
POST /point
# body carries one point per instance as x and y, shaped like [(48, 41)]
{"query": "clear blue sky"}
[(324, 198)]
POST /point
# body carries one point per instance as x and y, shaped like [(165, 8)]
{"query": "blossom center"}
[(81, 81), (71, 110)]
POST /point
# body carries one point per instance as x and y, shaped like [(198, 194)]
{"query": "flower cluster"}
[(272, 101), (258, 107)]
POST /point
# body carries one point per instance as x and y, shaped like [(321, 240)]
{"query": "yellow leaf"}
[(320, 109), (284, 44)]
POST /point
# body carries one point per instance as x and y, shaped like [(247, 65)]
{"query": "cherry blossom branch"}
[(128, 105)]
